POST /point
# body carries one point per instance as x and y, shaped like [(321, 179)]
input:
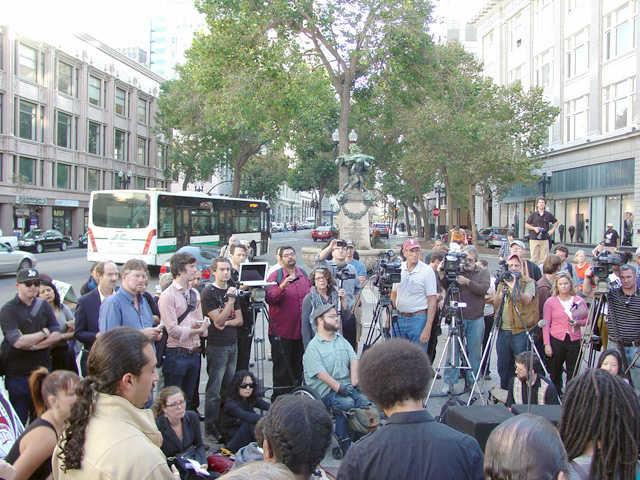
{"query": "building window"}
[(142, 110), (515, 75), (515, 31), (543, 64), (119, 145), (95, 91), (142, 151), (121, 96), (544, 15), (63, 137), (27, 170), (65, 78), (1, 103), (140, 183), (163, 151), (576, 118), (62, 177), (577, 47), (28, 67), (93, 179), (94, 138), (573, 5), (619, 101), (27, 128), (620, 30), (453, 30)]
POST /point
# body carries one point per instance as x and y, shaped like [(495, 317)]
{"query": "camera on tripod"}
[(503, 274), (239, 293), (541, 232), (387, 272), (602, 268), (453, 265)]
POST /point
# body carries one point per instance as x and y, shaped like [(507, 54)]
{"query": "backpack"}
[(363, 419)]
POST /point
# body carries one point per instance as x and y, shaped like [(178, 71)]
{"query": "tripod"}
[(456, 342), (590, 342), (384, 320)]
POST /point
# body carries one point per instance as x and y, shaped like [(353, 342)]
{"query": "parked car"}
[(383, 228), (83, 239), (41, 240), (492, 237), (277, 227), (204, 256), (468, 233), (324, 233), (11, 261)]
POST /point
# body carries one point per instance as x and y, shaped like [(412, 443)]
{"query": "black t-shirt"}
[(611, 238), (242, 302), (541, 221), (213, 298)]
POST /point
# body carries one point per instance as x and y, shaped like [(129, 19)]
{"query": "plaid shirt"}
[(504, 250)]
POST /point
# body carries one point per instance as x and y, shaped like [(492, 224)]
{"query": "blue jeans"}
[(180, 368), (473, 330), (341, 404), (507, 347), (411, 328), (19, 396), (221, 365), (634, 371)]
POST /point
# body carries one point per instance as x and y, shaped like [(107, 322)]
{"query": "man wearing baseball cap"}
[(29, 327), (529, 268), (611, 238), (415, 297)]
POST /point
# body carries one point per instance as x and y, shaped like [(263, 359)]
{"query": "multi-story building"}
[(74, 117), (135, 53), (584, 54)]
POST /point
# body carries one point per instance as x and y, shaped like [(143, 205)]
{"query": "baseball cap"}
[(350, 243), (515, 255), (321, 310), (410, 244), (27, 274), (519, 243), (609, 224)]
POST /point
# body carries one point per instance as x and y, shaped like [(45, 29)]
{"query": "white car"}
[(277, 227), (12, 261)]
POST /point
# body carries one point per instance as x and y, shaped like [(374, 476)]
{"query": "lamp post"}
[(544, 180), (198, 186), (439, 189), (125, 180), (335, 136), (353, 136), (219, 183)]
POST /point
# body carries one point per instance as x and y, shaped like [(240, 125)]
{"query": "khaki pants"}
[(539, 250)]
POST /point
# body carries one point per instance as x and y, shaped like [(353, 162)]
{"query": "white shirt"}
[(415, 287)]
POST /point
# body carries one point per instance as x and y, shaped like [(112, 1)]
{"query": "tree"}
[(263, 175)]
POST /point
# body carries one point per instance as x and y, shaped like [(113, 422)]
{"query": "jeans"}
[(181, 368), (20, 396), (508, 347), (411, 328), (473, 330), (488, 325), (634, 371), (341, 404), (221, 365)]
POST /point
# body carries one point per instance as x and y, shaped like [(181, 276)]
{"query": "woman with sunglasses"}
[(238, 417), (180, 429)]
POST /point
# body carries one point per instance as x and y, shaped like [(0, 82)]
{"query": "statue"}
[(355, 168)]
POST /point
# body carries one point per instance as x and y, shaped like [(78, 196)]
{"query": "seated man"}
[(331, 369), (542, 390)]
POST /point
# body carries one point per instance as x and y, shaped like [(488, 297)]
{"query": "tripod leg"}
[(438, 369)]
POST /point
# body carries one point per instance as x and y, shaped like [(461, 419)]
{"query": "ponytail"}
[(35, 386), (44, 385)]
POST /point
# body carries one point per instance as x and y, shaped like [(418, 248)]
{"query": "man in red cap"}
[(521, 303), (415, 297)]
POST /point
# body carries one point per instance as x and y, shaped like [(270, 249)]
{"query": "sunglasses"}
[(32, 284), (247, 385)]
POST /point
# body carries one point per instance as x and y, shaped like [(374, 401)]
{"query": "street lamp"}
[(544, 180), (335, 136), (125, 181), (353, 136), (439, 189), (219, 183)]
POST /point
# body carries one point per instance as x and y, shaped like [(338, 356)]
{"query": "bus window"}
[(200, 223), (166, 222), (226, 222), (241, 221), (254, 222), (121, 210)]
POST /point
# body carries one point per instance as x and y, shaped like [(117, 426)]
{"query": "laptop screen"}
[(253, 272)]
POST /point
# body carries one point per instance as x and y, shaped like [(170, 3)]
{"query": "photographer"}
[(512, 338), (473, 282), (624, 312), (538, 224), (351, 281), (238, 255)]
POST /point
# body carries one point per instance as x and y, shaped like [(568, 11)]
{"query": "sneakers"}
[(487, 377), (445, 390)]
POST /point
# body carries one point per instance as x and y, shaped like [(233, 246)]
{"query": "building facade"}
[(584, 54), (74, 117)]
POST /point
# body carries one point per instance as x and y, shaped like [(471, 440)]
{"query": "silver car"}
[(13, 260)]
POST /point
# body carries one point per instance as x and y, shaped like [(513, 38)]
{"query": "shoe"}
[(200, 416), (252, 364), (445, 390), (438, 376), (487, 377)]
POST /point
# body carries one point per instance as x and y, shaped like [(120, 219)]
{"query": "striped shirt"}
[(415, 287), (624, 314)]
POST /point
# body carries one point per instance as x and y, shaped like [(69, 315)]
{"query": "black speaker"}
[(477, 420), (550, 412)]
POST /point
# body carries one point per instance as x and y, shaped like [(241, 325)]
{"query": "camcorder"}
[(603, 267), (386, 274), (503, 274), (342, 272), (541, 232), (341, 243), (239, 293), (453, 265)]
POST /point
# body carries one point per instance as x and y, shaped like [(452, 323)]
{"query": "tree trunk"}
[(318, 212), (416, 214), (472, 216), (405, 208), (449, 204), (187, 178), (344, 92)]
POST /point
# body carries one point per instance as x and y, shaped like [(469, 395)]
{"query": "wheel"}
[(39, 248), (24, 264), (486, 244), (63, 246), (336, 452), (309, 392)]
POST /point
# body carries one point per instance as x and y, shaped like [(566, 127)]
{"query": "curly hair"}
[(179, 261), (116, 352), (43, 385), (393, 372), (602, 409), (516, 447), (161, 401), (298, 430), (233, 388), (328, 274)]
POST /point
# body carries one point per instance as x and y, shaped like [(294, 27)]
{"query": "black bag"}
[(349, 330), (161, 345), (181, 462)]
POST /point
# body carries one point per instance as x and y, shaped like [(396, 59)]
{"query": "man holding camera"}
[(237, 256), (538, 226), (340, 268), (520, 306), (415, 297), (473, 282)]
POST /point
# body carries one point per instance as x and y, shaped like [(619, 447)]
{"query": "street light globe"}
[(335, 136), (353, 136)]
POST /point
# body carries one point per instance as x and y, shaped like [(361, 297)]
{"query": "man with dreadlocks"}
[(600, 426)]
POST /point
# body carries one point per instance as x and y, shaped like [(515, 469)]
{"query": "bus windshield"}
[(121, 210)]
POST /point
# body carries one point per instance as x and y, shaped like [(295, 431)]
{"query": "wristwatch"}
[(45, 333)]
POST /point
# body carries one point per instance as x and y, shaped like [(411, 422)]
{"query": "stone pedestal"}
[(354, 221)]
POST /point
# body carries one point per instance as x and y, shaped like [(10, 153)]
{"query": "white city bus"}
[(152, 225)]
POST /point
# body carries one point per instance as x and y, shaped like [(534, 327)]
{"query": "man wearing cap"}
[(30, 328), (338, 249), (415, 297), (611, 238), (331, 369), (520, 302), (538, 226), (529, 268)]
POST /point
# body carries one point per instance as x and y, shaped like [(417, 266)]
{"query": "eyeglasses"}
[(142, 276), (247, 385), (31, 284), (287, 255), (332, 316), (180, 404)]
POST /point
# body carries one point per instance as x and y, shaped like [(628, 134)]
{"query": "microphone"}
[(341, 264), (542, 323)]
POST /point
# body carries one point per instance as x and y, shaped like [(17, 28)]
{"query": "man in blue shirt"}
[(127, 307)]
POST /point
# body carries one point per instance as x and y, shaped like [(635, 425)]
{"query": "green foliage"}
[(263, 175)]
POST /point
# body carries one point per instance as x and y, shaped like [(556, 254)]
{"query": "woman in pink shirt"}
[(565, 313)]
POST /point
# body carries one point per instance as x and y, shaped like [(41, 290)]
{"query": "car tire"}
[(63, 246), (24, 264), (39, 248)]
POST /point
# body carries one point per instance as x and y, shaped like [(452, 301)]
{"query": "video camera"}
[(239, 293), (453, 265), (503, 274), (387, 272), (603, 267), (342, 272)]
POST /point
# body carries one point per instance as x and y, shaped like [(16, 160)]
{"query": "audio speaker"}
[(550, 412), (477, 420)]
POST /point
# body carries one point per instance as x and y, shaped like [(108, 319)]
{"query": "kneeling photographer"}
[(472, 282), (520, 303)]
